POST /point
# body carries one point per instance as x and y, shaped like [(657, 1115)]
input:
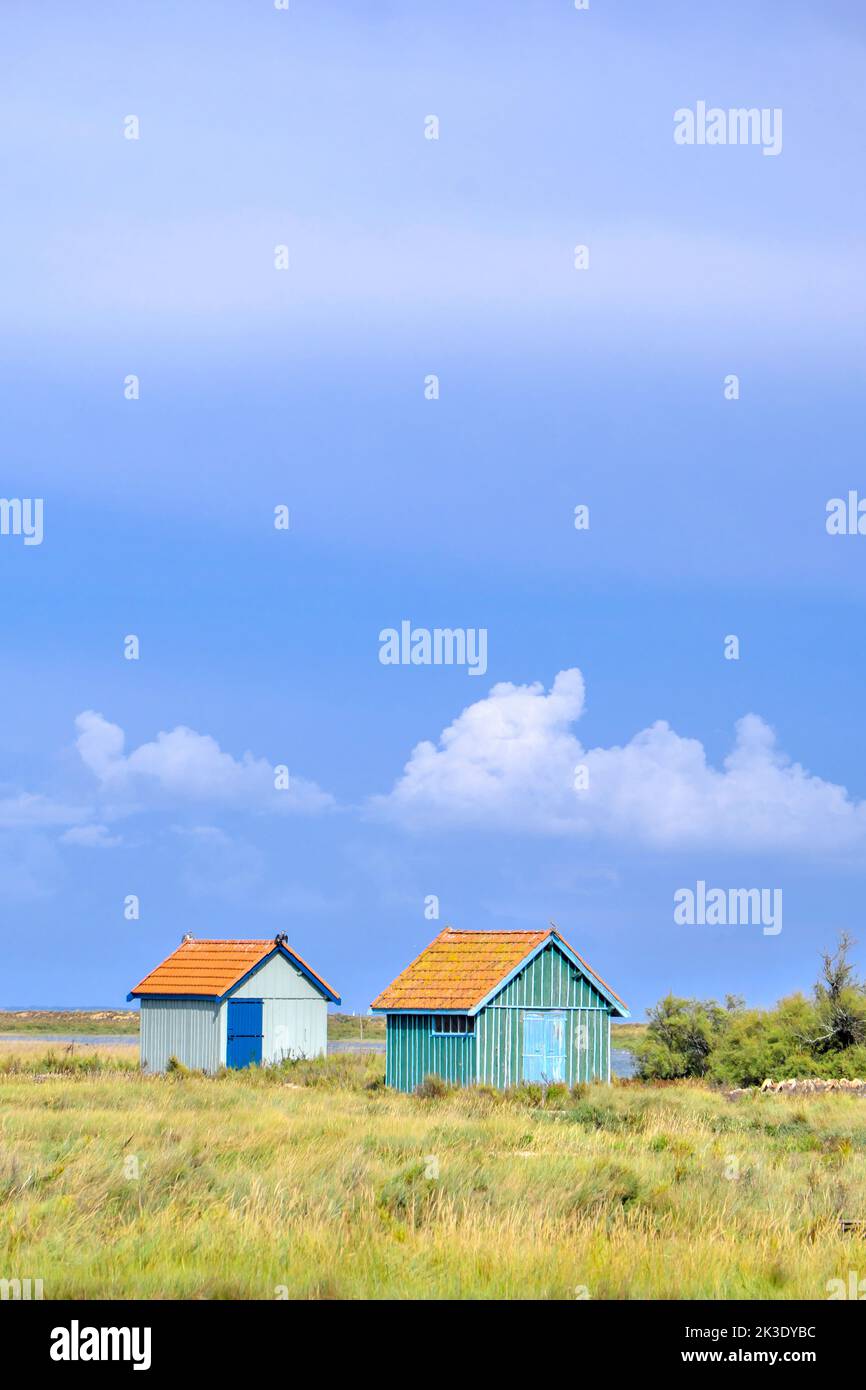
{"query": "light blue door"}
[(544, 1046), (244, 1032)]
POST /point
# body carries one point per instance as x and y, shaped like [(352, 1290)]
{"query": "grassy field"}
[(625, 1035), (315, 1181), (69, 1021), (341, 1027)]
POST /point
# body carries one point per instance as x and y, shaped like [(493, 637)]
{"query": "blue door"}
[(244, 1035), (544, 1046)]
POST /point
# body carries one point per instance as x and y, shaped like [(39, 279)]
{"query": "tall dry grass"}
[(315, 1182)]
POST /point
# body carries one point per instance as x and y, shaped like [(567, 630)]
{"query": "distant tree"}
[(824, 1035), (680, 1037), (766, 1042), (841, 1001)]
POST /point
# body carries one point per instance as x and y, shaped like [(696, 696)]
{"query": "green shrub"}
[(679, 1039), (528, 1093), (556, 1095), (824, 1036), (432, 1088)]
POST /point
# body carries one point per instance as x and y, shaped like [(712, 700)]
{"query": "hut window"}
[(446, 1024)]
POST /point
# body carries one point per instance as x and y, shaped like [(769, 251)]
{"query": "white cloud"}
[(183, 765), (508, 761), (91, 837), (31, 809), (190, 270)]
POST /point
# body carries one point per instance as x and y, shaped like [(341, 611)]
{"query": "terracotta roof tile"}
[(209, 968), (460, 968)]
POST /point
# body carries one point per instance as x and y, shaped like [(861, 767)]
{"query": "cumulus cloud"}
[(182, 765), (509, 761)]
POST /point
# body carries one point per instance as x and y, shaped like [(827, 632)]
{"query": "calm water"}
[(622, 1063), (131, 1040)]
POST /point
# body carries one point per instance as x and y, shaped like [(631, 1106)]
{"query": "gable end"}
[(267, 975), (551, 978)]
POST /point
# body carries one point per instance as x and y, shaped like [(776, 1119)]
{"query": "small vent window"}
[(446, 1024)]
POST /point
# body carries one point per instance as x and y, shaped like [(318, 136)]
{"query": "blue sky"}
[(408, 257)]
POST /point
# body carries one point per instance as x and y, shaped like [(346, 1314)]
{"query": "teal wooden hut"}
[(498, 1008)]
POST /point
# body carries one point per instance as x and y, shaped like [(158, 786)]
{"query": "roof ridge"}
[(495, 931), (226, 941)]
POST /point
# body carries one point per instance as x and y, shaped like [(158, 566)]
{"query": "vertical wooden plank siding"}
[(184, 1028), (493, 1056), (550, 981), (413, 1051)]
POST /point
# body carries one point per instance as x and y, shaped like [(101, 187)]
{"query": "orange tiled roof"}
[(210, 968), (460, 968)]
